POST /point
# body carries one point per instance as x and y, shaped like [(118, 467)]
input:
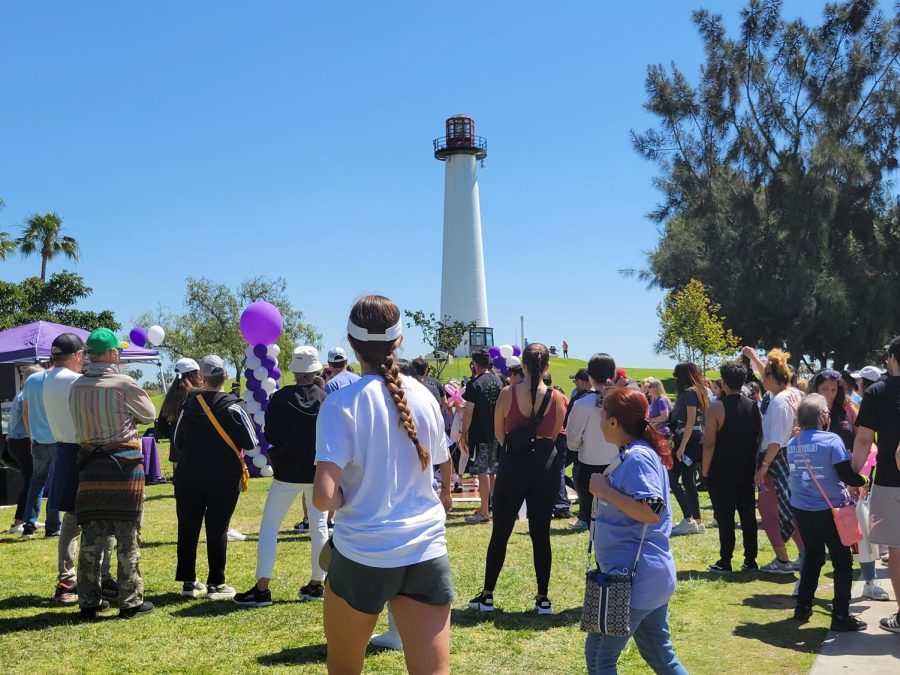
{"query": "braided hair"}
[(376, 314)]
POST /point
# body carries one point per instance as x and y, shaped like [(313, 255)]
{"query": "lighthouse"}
[(463, 289)]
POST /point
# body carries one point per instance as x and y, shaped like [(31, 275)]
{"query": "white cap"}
[(186, 365), (305, 360), (212, 366), (337, 355), (870, 373), (513, 362)]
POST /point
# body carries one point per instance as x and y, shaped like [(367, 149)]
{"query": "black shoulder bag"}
[(523, 438)]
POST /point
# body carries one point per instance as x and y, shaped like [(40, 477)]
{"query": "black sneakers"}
[(720, 567), (802, 613), (90, 613), (847, 624), (109, 588), (542, 604), (483, 602), (254, 598), (140, 610), (312, 592)]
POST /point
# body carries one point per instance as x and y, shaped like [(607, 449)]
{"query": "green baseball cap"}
[(102, 340)]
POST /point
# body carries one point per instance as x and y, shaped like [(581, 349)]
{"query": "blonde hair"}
[(376, 314), (657, 386), (777, 366)]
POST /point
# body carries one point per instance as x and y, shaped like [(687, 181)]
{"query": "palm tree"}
[(42, 235), (7, 245)]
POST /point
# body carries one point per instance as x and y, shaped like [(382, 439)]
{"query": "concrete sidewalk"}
[(873, 651)]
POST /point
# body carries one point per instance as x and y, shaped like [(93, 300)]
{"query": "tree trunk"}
[(44, 268)]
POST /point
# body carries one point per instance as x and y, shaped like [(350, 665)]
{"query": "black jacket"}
[(291, 429), (202, 453)]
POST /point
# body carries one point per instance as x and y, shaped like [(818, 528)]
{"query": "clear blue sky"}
[(231, 139)]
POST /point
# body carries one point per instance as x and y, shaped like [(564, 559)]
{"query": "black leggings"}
[(194, 502), (20, 449), (583, 488), (685, 489), (532, 477), (818, 531)]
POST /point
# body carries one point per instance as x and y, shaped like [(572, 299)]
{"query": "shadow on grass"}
[(23, 601), (774, 601), (298, 656), (736, 577), (526, 620), (165, 495), (207, 608), (41, 621), (785, 634)]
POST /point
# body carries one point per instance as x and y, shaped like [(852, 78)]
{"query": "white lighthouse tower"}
[(463, 290)]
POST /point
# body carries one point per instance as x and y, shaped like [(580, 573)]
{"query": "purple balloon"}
[(252, 383), (260, 396), (499, 362), (504, 370), (138, 336), (268, 362), (275, 373), (494, 352), (262, 438), (260, 323), (260, 350), (517, 350)]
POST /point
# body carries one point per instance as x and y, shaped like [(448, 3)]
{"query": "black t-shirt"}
[(678, 416), (880, 411), (436, 388), (482, 392)]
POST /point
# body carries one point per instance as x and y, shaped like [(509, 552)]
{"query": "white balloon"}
[(266, 471), (253, 362), (253, 452), (253, 406), (506, 351), (260, 460), (273, 350), (268, 385), (260, 373), (155, 335), (249, 351), (260, 418)]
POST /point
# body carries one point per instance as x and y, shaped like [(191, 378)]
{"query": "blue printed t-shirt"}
[(339, 381), (37, 414), (822, 450), (641, 475)]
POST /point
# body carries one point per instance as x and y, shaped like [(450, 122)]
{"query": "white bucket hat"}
[(305, 360)]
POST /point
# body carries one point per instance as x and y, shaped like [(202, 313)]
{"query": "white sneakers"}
[(688, 527), (873, 591), (236, 535), (778, 567), (388, 640), (192, 589), (220, 592)]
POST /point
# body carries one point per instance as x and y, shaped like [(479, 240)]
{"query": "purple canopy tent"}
[(31, 343)]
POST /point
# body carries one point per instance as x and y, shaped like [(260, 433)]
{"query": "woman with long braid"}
[(376, 442), (531, 476)]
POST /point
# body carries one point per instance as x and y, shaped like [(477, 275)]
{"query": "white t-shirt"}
[(778, 422), (391, 516), (584, 435), (56, 402)]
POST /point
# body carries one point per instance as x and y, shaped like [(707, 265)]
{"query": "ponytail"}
[(535, 359)]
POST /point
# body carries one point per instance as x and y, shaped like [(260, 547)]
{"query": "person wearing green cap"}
[(105, 406)]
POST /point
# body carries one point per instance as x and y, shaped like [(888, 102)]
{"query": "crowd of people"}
[(375, 458)]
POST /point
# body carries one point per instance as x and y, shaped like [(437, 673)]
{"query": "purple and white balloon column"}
[(261, 326)]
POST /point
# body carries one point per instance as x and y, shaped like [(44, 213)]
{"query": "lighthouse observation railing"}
[(450, 143)]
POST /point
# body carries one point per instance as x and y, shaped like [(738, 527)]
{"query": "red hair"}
[(632, 411)]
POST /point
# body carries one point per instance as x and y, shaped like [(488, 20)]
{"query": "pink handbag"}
[(845, 519)]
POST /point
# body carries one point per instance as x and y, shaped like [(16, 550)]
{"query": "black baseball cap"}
[(66, 344), (582, 375)]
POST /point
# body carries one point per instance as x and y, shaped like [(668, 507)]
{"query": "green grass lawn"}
[(739, 624)]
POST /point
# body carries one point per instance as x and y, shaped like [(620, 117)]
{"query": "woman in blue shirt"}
[(819, 464), (633, 502)]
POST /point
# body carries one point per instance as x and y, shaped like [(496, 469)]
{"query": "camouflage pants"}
[(94, 536)]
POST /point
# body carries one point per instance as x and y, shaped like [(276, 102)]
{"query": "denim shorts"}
[(366, 589), (486, 458)]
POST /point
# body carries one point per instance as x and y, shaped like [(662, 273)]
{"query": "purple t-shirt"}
[(641, 475), (659, 406)]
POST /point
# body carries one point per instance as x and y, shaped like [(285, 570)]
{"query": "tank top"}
[(738, 438), (546, 428)]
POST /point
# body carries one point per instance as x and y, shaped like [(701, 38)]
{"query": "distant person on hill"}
[(565, 348), (340, 373), (731, 434), (477, 438)]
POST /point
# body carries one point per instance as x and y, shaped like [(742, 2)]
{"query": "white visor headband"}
[(363, 335)]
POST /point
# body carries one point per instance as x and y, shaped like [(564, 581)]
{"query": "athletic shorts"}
[(884, 515), (366, 589), (486, 459)]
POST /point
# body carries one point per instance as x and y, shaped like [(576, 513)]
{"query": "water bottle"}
[(687, 460)]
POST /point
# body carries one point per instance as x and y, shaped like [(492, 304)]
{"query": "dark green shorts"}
[(366, 589)]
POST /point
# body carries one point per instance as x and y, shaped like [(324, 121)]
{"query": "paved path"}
[(873, 651)]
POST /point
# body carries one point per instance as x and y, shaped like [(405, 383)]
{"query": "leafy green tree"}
[(443, 336), (42, 234), (775, 173), (7, 244), (691, 328), (56, 300), (211, 320)]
